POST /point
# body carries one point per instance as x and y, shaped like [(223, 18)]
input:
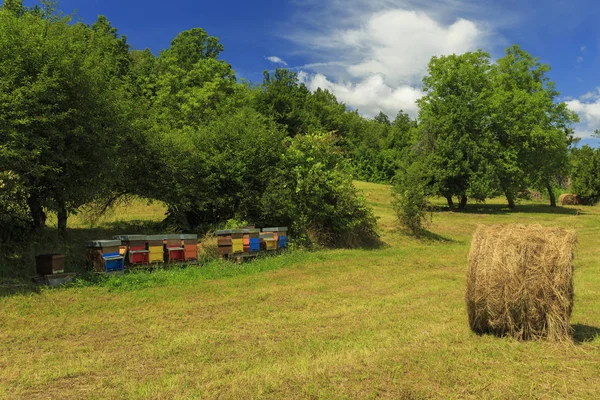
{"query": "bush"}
[(585, 173), (410, 198), (312, 192)]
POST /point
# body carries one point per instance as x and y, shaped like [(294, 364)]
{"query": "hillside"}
[(389, 323)]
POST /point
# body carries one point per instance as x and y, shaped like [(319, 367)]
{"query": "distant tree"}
[(287, 100), (585, 173), (382, 118)]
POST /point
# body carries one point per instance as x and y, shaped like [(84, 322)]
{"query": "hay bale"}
[(567, 199), (520, 281)]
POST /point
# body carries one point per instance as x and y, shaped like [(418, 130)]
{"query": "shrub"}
[(410, 198), (312, 192)]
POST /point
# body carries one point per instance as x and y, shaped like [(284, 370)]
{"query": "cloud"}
[(579, 59), (370, 96), (373, 54), (276, 60), (588, 109), (583, 48)]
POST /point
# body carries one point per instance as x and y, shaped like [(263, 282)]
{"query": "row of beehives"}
[(251, 241), (132, 250)]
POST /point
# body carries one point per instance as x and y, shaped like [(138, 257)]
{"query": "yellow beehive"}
[(238, 245), (155, 254)]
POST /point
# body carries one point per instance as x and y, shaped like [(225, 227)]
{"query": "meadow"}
[(387, 322)]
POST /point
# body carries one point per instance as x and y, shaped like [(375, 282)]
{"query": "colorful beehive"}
[(268, 241), (104, 256), (237, 241), (225, 242), (136, 252), (280, 235), (251, 240), (189, 243), (156, 252), (174, 251)]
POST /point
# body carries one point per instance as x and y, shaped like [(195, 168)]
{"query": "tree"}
[(530, 126), (285, 99), (61, 110), (454, 125)]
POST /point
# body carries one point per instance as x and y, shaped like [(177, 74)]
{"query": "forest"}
[(87, 120)]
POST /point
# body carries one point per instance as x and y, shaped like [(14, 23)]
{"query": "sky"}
[(372, 54)]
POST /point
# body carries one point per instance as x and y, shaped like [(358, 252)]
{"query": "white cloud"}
[(579, 59), (276, 60), (583, 48), (370, 96), (373, 54), (588, 109)]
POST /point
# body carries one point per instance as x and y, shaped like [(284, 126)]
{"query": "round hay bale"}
[(520, 281), (567, 199)]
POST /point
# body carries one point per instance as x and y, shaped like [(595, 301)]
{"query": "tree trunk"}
[(62, 216), (450, 202), (37, 212), (551, 194), (510, 199), (463, 202)]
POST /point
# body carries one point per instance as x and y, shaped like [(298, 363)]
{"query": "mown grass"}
[(329, 324)]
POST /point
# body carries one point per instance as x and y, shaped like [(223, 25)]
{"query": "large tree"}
[(62, 112), (529, 124), (454, 125)]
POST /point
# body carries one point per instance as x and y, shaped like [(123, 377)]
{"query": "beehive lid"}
[(267, 236), (155, 237), (238, 231), (103, 243), (172, 236), (129, 238), (188, 236), (278, 229), (248, 230), (224, 232)]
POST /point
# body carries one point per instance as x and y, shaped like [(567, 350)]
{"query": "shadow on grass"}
[(17, 260), (523, 208), (434, 237), (16, 289), (585, 333)]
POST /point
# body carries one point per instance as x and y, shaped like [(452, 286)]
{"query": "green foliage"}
[(585, 173), (411, 190), (312, 192)]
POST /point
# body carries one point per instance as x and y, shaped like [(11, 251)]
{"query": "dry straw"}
[(567, 199), (520, 281)]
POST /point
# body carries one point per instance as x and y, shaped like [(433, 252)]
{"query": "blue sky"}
[(372, 54)]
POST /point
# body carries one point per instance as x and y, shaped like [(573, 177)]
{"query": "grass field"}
[(385, 323)]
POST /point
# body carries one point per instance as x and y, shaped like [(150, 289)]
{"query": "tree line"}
[(86, 119)]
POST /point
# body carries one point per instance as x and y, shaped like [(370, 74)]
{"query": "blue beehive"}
[(253, 240), (104, 255)]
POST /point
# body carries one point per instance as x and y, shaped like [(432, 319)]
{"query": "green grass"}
[(329, 324)]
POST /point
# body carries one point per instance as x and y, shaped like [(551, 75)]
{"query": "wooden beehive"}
[(189, 242), (155, 248), (237, 240), (225, 242)]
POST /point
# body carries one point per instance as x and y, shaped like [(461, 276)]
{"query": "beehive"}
[(174, 252), (237, 241), (155, 248), (268, 241), (189, 242), (251, 240), (224, 242), (280, 236), (104, 256), (136, 252)]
